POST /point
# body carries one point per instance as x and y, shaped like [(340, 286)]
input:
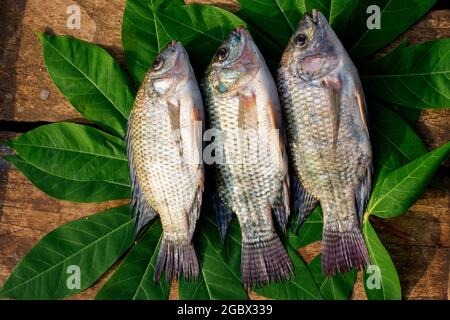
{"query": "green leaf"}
[(277, 19), (76, 152), (340, 13), (90, 79), (323, 6), (310, 231), (415, 76), (396, 17), (338, 287), (402, 187), (381, 280), (219, 273), (301, 287), (67, 189), (410, 115), (133, 279), (92, 244), (147, 27), (393, 134)]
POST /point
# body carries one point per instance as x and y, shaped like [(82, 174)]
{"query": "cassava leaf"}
[(340, 13), (219, 274), (396, 17), (415, 76), (277, 19), (74, 151), (90, 245), (133, 279), (301, 287), (323, 6), (337, 287), (381, 280), (309, 232), (148, 27), (90, 79), (402, 187), (67, 189), (410, 115), (390, 129)]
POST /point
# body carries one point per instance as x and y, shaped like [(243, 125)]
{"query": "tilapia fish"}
[(164, 150), (328, 139), (251, 176)]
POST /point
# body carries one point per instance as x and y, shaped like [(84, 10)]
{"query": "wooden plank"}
[(24, 81)]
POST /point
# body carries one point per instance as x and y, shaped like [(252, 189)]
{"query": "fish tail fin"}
[(264, 261), (343, 250), (176, 258)]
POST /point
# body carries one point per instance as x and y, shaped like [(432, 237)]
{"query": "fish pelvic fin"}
[(176, 259), (343, 250), (303, 203), (264, 261)]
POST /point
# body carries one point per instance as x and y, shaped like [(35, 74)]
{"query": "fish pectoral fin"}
[(362, 192), (174, 114), (362, 106), (223, 214), (248, 113), (303, 203), (333, 87)]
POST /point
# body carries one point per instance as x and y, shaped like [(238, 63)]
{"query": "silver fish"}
[(252, 180), (328, 139), (164, 151)]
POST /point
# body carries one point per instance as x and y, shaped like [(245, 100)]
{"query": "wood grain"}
[(26, 214)]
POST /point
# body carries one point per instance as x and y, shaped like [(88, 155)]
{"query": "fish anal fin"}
[(303, 202), (281, 207), (363, 191), (223, 214)]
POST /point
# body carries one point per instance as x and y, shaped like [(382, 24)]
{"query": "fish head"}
[(314, 49), (235, 63), (170, 70)]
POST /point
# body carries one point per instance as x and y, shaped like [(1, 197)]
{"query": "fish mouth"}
[(315, 17)]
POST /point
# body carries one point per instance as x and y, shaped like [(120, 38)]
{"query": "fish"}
[(164, 146), (251, 177), (328, 140)]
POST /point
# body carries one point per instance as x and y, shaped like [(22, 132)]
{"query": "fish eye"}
[(158, 63), (300, 39), (222, 54)]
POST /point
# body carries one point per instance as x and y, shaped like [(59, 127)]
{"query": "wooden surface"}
[(418, 241)]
